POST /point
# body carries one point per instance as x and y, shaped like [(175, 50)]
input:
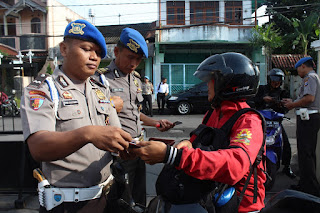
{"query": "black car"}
[(193, 99)]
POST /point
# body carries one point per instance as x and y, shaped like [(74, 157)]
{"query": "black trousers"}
[(161, 100), (306, 143), (97, 205), (147, 104), (137, 183), (286, 150)]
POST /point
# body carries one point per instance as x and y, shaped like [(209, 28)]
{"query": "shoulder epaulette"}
[(95, 81), (136, 74), (38, 81), (103, 70)]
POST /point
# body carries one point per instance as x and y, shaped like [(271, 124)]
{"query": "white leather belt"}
[(81, 194), (310, 111), (50, 197)]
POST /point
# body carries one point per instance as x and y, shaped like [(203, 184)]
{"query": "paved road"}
[(179, 132)]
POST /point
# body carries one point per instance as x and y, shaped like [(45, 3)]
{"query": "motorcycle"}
[(273, 144), (9, 107), (292, 201)]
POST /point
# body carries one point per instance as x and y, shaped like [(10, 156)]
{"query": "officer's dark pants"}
[(161, 99), (137, 181), (97, 205), (147, 104), (286, 151), (307, 141)]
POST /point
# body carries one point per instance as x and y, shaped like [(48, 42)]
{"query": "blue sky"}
[(107, 12)]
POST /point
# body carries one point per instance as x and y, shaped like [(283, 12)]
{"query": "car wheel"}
[(184, 108)]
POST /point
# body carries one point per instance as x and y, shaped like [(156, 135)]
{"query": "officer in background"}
[(147, 91), (307, 107), (71, 127), (123, 82), (269, 97)]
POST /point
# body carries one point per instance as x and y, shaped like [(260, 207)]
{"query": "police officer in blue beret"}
[(307, 107), (123, 81), (71, 126)]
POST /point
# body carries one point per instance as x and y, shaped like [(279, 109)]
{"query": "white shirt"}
[(163, 88)]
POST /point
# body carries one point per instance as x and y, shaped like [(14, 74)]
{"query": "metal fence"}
[(180, 76)]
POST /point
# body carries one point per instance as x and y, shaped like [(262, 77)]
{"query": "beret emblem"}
[(77, 28), (134, 46)]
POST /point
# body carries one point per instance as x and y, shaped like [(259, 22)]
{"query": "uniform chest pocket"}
[(70, 112), (103, 108)]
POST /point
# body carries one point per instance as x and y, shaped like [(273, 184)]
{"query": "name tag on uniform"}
[(117, 90), (70, 102)]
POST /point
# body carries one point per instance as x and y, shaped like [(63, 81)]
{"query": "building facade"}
[(35, 26), (190, 31)]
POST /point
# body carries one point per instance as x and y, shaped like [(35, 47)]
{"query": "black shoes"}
[(287, 170)]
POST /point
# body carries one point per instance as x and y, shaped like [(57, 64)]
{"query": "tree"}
[(267, 37), (304, 30), (298, 9)]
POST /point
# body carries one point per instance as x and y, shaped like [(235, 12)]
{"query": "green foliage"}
[(4, 53), (49, 70), (293, 10), (305, 30), (266, 36)]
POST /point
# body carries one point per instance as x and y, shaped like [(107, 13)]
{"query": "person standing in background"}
[(307, 107), (147, 91), (163, 91)]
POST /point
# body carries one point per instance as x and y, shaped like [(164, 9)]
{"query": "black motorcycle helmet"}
[(275, 75), (235, 76)]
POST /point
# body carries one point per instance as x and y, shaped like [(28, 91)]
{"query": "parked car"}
[(193, 99)]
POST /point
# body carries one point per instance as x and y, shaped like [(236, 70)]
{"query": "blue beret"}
[(134, 41), (301, 61), (146, 77), (84, 30)]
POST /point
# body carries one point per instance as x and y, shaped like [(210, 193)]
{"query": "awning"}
[(286, 61)]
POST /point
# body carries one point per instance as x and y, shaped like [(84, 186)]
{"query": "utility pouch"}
[(304, 114), (50, 197)]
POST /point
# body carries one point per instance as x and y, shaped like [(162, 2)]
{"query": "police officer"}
[(147, 91), (123, 82), (270, 96), (71, 127), (307, 107)]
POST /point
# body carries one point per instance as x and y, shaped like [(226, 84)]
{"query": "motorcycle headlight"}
[(173, 98), (270, 140)]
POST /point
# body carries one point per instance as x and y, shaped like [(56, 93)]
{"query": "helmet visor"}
[(204, 76), (275, 78)]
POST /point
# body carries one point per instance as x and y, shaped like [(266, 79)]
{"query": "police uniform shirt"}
[(128, 87), (147, 88), (310, 85), (87, 166)]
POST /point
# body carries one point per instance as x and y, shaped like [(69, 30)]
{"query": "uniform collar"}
[(117, 72), (64, 81)]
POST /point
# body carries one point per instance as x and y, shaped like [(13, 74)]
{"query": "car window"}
[(203, 88)]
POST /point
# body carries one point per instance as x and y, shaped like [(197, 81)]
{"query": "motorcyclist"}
[(232, 78), (270, 96)]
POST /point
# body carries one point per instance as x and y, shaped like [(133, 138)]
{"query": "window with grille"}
[(35, 25), (233, 12), (204, 12), (175, 13)]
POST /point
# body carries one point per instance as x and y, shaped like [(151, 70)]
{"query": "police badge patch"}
[(100, 94), (36, 102)]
